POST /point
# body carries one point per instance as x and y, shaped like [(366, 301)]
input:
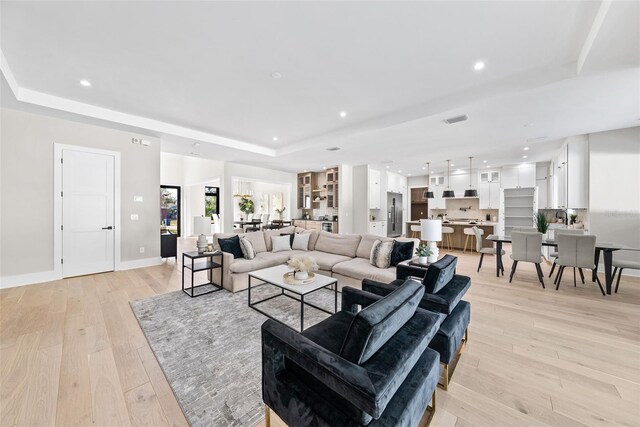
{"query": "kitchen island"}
[(458, 237)]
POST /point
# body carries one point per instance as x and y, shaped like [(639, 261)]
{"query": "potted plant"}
[(423, 251), (574, 219), (280, 212), (246, 205), (301, 266), (541, 222)]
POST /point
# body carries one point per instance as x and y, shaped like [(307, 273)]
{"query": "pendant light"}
[(448, 193), (471, 192), (428, 193)]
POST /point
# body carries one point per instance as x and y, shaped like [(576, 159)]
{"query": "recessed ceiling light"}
[(387, 167), (276, 75), (304, 170), (459, 171), (196, 144), (484, 161), (478, 66), (408, 174), (85, 83), (324, 167), (399, 171), (423, 168), (526, 148), (343, 114), (524, 157), (488, 166), (333, 148), (452, 164), (275, 138)]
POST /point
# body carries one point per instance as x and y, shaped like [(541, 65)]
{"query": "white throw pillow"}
[(280, 243), (247, 248), (381, 254), (301, 242)]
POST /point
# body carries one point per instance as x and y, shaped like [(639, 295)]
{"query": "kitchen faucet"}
[(565, 216)]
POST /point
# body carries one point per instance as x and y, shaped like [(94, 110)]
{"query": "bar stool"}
[(446, 237), (416, 231), (621, 265), (470, 233)]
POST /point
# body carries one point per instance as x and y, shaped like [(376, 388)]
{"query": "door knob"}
[(108, 228)]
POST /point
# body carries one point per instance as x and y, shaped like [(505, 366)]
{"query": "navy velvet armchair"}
[(368, 364), (444, 290)]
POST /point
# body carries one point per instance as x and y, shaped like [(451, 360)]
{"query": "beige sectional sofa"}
[(343, 256)]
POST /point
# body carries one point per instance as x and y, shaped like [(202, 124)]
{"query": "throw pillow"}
[(301, 242), (280, 243), (291, 237), (231, 245), (247, 248), (402, 251), (381, 254)]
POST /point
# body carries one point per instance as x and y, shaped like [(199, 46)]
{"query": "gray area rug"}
[(210, 348)]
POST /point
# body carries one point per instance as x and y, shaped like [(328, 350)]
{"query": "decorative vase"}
[(301, 275), (422, 260)]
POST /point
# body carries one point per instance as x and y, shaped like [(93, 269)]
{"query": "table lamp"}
[(202, 226), (431, 232)]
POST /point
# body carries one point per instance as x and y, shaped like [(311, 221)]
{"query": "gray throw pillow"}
[(247, 248), (381, 254)]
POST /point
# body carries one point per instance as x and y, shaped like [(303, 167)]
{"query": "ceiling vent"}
[(456, 119), (333, 149)]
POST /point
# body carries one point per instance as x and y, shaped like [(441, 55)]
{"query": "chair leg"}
[(559, 276), (574, 277), (581, 275), (540, 274), (267, 416), (513, 270), (553, 267), (480, 263), (466, 240), (600, 284), (619, 276)]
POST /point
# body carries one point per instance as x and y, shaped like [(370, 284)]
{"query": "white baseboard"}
[(28, 279), (139, 263)]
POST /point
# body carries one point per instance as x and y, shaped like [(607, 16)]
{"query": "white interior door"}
[(88, 212)]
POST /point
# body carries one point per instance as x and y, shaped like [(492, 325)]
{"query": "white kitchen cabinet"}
[(490, 175), (394, 183), (543, 194), (437, 202), (436, 180), (459, 183), (374, 189), (521, 176), (489, 194), (378, 228)]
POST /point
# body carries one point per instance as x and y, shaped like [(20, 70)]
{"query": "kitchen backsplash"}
[(465, 209)]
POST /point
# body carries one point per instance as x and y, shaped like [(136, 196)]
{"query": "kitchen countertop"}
[(479, 223), (317, 220)]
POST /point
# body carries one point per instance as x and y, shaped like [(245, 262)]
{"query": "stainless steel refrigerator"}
[(394, 214)]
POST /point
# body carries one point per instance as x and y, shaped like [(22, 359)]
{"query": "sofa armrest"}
[(352, 297), (404, 271), (348, 380)]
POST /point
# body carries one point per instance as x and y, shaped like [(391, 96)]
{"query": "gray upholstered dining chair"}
[(526, 247), (482, 251), (264, 219), (619, 265), (557, 232), (577, 252)]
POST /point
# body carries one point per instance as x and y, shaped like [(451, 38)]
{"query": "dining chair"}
[(620, 265), (578, 252), (470, 233), (483, 251), (526, 247), (446, 237), (554, 254), (264, 219)]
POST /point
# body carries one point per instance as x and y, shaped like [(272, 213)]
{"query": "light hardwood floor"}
[(72, 353)]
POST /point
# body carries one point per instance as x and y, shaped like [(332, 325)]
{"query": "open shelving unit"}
[(518, 207)]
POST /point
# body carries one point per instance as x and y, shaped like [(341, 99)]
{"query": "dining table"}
[(242, 223), (607, 249)]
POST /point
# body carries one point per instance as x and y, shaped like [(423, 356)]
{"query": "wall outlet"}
[(136, 140), (141, 249), (145, 142), (137, 198), (134, 217)]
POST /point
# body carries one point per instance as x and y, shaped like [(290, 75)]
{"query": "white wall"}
[(614, 189), (26, 230), (345, 189)]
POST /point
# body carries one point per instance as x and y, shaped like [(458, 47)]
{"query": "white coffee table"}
[(273, 276)]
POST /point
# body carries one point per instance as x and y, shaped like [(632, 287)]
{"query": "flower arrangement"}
[(302, 265), (246, 205), (280, 211)]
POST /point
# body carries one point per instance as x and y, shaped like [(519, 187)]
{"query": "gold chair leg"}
[(267, 416)]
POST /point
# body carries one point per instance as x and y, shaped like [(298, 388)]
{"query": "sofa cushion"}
[(359, 269), (268, 233), (257, 240), (262, 260), (366, 243), (280, 243), (339, 244), (374, 325), (440, 273), (247, 248), (291, 237), (447, 341), (402, 251), (301, 242), (325, 260), (330, 333), (232, 246)]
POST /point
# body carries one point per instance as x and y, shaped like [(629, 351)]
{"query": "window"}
[(170, 209), (211, 201)]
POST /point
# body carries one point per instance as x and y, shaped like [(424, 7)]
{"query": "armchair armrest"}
[(348, 380), (404, 271), (378, 288), (351, 297)]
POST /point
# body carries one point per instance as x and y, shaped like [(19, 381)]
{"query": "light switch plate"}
[(138, 198), (134, 217)]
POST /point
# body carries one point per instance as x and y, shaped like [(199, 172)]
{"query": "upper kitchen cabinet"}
[(489, 195), (459, 183), (543, 182), (396, 183), (374, 189), (306, 183), (491, 175), (437, 202), (571, 174), (521, 176), (436, 181), (332, 188)]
